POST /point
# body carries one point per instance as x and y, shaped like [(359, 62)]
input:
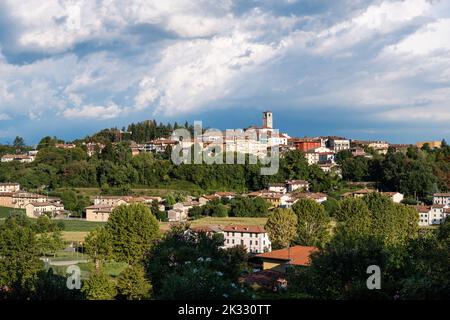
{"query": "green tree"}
[(19, 256), (99, 287), (133, 229), (281, 227), (98, 245), (19, 142), (313, 227), (133, 284)]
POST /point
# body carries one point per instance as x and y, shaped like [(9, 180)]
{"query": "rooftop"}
[(248, 229), (297, 255)]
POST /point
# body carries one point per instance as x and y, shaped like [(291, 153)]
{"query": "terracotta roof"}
[(45, 204), (390, 193), (439, 206), (225, 194), (248, 229), (442, 194), (310, 195), (9, 184), (276, 184), (297, 182), (297, 255), (423, 208), (98, 206)]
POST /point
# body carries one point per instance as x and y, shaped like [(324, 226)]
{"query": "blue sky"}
[(358, 68)]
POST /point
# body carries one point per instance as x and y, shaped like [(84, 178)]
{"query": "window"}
[(242, 242), (251, 242), (256, 242)]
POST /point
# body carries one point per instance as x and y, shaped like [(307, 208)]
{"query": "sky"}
[(366, 69)]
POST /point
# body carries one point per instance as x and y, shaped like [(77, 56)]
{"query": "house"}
[(227, 195), (316, 196), (358, 193), (277, 187), (21, 199), (9, 187), (36, 209), (206, 198), (6, 199), (99, 212), (319, 155), (442, 198), (180, 211), (432, 215), (397, 197), (254, 238), (431, 144), (337, 144), (22, 158), (112, 201), (358, 152), (64, 146), (304, 144), (292, 185), (281, 260), (177, 215)]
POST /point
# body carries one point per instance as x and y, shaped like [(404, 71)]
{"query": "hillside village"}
[(271, 260)]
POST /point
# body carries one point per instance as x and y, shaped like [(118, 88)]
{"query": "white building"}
[(277, 187), (442, 198), (254, 238), (338, 144), (293, 185), (36, 209), (22, 158), (432, 215), (397, 197), (9, 187)]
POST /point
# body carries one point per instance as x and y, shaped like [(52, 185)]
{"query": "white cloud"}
[(431, 37), (94, 112)]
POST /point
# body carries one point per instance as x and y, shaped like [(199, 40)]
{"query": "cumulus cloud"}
[(87, 59), (94, 112)]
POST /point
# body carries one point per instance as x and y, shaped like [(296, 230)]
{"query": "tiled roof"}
[(297, 255), (248, 229), (442, 194)]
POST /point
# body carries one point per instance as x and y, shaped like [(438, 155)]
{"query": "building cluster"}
[(28, 157), (437, 212), (35, 205), (104, 205)]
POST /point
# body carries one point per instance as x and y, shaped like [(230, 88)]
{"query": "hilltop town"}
[(323, 186)]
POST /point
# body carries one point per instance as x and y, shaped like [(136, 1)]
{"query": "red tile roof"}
[(297, 255), (248, 229)]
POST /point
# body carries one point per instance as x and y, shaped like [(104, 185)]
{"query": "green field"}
[(4, 212), (80, 225)]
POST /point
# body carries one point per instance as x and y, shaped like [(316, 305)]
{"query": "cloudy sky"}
[(359, 68)]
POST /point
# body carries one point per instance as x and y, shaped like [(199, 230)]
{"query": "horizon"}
[(366, 69)]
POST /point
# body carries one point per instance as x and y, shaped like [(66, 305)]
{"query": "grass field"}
[(4, 212), (74, 236), (80, 225)]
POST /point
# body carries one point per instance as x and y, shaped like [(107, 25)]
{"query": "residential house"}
[(442, 198), (277, 187), (304, 144), (397, 197), (22, 158), (337, 144), (99, 212), (112, 201), (432, 215), (431, 144), (293, 185), (358, 193), (9, 187), (254, 238), (281, 260), (37, 209), (21, 199)]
